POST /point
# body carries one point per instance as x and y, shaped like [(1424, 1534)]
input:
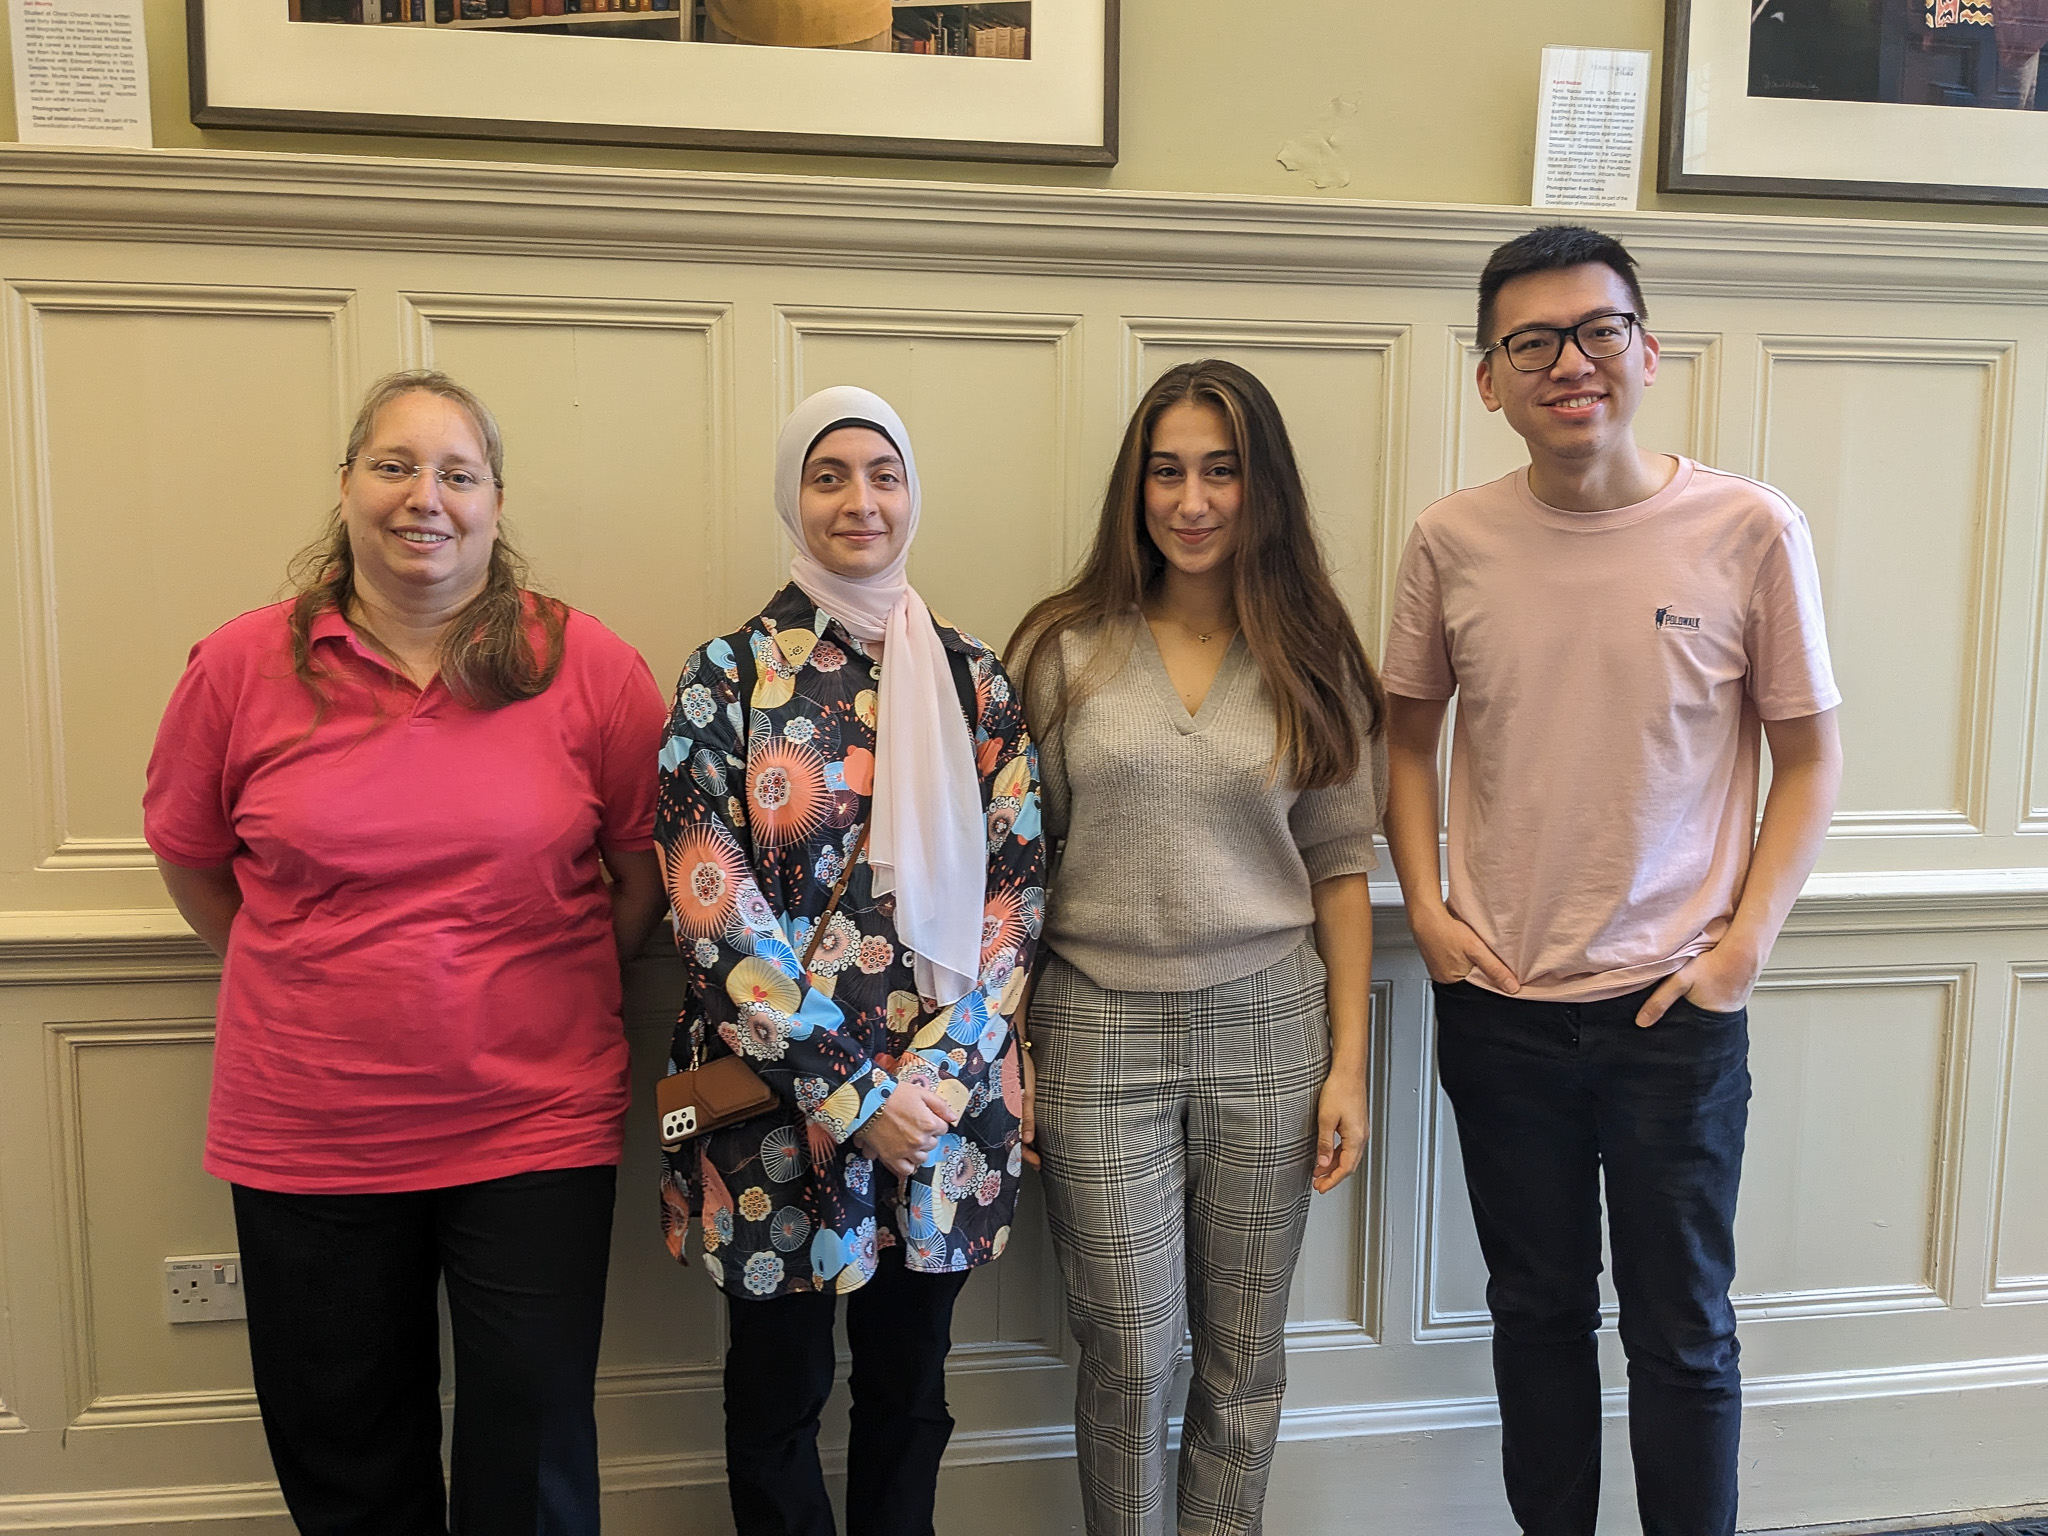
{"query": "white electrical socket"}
[(204, 1289)]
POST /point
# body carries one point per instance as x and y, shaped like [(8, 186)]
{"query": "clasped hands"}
[(902, 1133)]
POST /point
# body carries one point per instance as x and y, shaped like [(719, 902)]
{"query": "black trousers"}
[(344, 1337), (778, 1374), (1555, 1100)]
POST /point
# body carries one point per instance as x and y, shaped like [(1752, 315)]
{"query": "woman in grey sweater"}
[(1210, 744)]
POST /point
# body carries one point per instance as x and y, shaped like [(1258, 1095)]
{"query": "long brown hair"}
[(487, 655), (1294, 623)]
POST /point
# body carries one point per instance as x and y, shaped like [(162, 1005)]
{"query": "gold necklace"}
[(1200, 637)]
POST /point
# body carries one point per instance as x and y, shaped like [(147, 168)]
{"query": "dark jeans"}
[(778, 1374), (1550, 1098), (344, 1336)]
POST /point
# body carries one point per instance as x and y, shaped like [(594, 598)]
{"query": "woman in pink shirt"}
[(390, 805)]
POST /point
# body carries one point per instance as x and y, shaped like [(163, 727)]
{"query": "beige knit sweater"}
[(1184, 868)]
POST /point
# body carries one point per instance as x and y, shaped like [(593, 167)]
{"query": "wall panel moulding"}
[(282, 199)]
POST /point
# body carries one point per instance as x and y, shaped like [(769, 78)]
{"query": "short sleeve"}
[(1418, 660), (632, 744), (1333, 828), (1790, 673), (185, 815)]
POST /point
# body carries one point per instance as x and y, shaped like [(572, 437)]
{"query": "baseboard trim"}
[(981, 1448), (1355, 1422), (141, 1506)]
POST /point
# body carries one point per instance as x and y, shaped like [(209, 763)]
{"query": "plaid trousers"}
[(1178, 1132)]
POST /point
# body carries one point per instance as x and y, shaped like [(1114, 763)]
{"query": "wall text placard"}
[(81, 72), (1589, 127)]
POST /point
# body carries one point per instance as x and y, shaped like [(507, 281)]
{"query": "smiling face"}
[(1194, 488), (1578, 411), (854, 502), (417, 540)]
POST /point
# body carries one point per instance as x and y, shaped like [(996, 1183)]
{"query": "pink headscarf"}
[(927, 843)]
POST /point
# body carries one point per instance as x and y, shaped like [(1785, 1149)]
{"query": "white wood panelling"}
[(118, 395), (1850, 1189), (2019, 1234), (2032, 796), (1896, 449), (1338, 1296), (123, 1091), (10, 1421), (186, 334)]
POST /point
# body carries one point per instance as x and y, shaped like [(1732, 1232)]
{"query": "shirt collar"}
[(328, 624)]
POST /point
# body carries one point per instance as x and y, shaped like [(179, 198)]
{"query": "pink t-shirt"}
[(1611, 669), (421, 986)]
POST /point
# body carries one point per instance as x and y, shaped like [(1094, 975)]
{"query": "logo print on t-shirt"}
[(1666, 619)]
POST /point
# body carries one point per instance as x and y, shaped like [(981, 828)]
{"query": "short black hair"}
[(1551, 248)]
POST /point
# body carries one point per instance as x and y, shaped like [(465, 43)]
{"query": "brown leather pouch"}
[(717, 1094), (726, 1091)]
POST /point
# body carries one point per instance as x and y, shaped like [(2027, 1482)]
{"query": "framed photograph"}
[(1934, 100), (1022, 80)]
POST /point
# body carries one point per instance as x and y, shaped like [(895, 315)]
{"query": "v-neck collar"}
[(1220, 686)]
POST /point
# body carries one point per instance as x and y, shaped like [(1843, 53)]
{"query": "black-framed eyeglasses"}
[(1537, 347), (396, 472)]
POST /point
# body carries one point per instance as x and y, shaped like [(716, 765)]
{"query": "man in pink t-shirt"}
[(1619, 628)]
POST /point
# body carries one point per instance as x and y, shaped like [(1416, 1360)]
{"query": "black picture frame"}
[(1861, 137)]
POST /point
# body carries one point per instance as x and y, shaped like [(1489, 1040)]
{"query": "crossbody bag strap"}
[(838, 890)]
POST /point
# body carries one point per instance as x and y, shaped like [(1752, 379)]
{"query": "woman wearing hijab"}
[(844, 723)]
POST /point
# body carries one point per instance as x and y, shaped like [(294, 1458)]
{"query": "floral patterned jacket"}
[(760, 803)]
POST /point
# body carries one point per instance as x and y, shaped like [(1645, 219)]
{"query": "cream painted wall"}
[(1211, 89), (641, 338)]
